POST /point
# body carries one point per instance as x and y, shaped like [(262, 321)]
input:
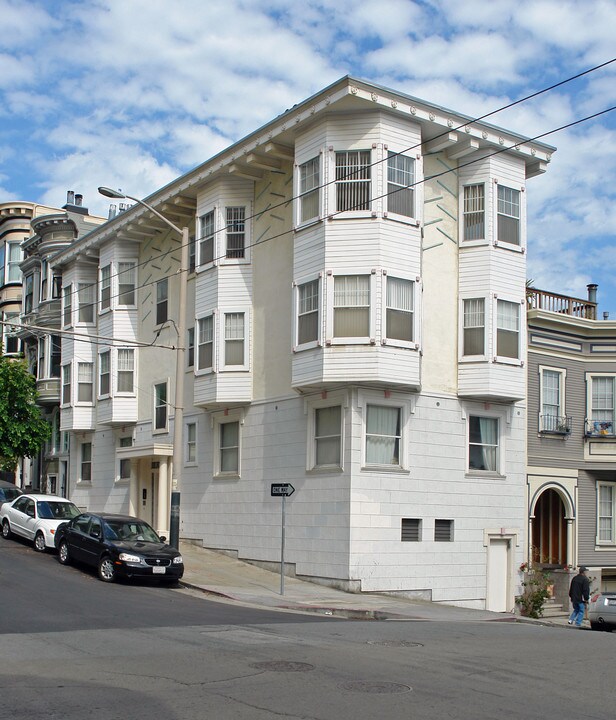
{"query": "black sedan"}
[(118, 546)]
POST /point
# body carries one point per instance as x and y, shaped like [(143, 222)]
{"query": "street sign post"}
[(283, 490)]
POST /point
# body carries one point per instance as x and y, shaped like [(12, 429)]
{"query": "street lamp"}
[(178, 424)]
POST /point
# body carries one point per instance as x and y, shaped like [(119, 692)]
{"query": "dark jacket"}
[(579, 591)]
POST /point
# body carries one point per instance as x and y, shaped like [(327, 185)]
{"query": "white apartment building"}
[(356, 310)]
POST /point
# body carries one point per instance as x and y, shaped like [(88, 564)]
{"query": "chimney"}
[(79, 200), (70, 197), (592, 292), (606, 315), (74, 203), (112, 212)]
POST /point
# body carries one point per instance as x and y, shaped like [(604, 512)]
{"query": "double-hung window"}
[(309, 178), (85, 297), (308, 312), (85, 380), (400, 184), (190, 347), (474, 212), (162, 299), (383, 435), (126, 283), (55, 356), (236, 232), (229, 447), (105, 290), (66, 384), (352, 306), (42, 359), (67, 303), (353, 180), (10, 342), (551, 419), (606, 513), (328, 436), (104, 373), (234, 339), (483, 444), (508, 215), (399, 311), (86, 462), (206, 343), (206, 238), (474, 323), (28, 294), (507, 329), (126, 370), (160, 406), (601, 405), (13, 261), (191, 443)]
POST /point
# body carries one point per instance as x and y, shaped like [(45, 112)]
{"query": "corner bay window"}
[(351, 306), (602, 410), (236, 232), (85, 296), (85, 379), (508, 215), (234, 338), (126, 283), (400, 182), (308, 312), (399, 315), (67, 312), (508, 329), (105, 296), (309, 190), (66, 384), (206, 239), (104, 373), (353, 180), (483, 443), (206, 343), (473, 212), (327, 437), (126, 368), (383, 435), (474, 327)]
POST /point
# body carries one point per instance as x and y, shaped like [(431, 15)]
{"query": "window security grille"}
[(236, 232), (353, 178), (443, 530), (474, 212), (411, 530)]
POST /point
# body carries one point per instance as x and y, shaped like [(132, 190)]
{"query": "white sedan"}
[(36, 518)]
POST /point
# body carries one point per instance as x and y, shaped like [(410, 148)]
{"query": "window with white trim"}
[(192, 253), (383, 435), (125, 463), (191, 444), (85, 298), (161, 413), (104, 373), (351, 306), (105, 287), (600, 402), (190, 347), (507, 329), (228, 448), (552, 393), (85, 382), (399, 311), (13, 271), (205, 349), (353, 180), (234, 339), (474, 212), (55, 356), (44, 280), (400, 184), (127, 276), (28, 294), (308, 312), (206, 238), (606, 513), (162, 299), (86, 462), (508, 215), (236, 231), (126, 371), (483, 444), (11, 344), (67, 306), (42, 365), (309, 190), (474, 327), (66, 384), (328, 436)]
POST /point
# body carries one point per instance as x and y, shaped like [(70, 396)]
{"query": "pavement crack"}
[(269, 710)]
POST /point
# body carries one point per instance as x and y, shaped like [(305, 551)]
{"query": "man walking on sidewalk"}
[(579, 592)]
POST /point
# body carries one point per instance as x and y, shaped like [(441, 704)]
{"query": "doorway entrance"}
[(497, 599), (549, 538), (148, 495)]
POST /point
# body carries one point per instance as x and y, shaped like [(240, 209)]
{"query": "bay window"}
[(309, 191), (602, 394), (400, 184), (473, 339), (126, 283), (353, 180), (507, 329), (473, 212), (105, 289), (234, 339), (351, 306), (85, 379), (399, 309), (85, 296), (236, 232), (206, 238), (508, 215), (308, 312), (328, 436), (67, 306), (104, 373), (126, 370), (206, 343), (162, 297), (606, 513)]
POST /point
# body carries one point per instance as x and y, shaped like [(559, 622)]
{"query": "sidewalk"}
[(225, 577)]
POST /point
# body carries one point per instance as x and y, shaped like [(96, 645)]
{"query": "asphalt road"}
[(72, 647)]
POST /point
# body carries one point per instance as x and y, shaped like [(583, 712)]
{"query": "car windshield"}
[(130, 530), (53, 510)]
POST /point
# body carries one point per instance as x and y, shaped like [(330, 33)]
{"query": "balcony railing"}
[(563, 304), (599, 428), (555, 424)]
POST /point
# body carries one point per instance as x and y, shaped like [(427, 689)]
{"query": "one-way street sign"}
[(282, 489)]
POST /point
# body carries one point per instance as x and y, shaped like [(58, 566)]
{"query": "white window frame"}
[(221, 337), (387, 399), (105, 283), (132, 274), (67, 305), (396, 342), (312, 404), (207, 370), (132, 371), (160, 430), (590, 376), (612, 541), (191, 444), (202, 237), (218, 420), (190, 347), (160, 303), (486, 324), (390, 153), (124, 442), (301, 192), (83, 462), (28, 294), (521, 330), (331, 339), (247, 206), (296, 312), (86, 291), (80, 383), (9, 333), (99, 374), (66, 367), (333, 186), (562, 372), (463, 213), (504, 421), (11, 263), (517, 247)]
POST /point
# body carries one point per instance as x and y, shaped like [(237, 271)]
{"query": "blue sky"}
[(132, 93)]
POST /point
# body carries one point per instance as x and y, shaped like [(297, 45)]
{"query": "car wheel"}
[(595, 626), (6, 529), (63, 555), (106, 569), (39, 542)]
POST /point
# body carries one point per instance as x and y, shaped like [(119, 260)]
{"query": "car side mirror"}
[(162, 538)]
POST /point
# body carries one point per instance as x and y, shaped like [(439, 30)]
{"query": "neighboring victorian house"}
[(49, 231), (571, 435), (356, 314)]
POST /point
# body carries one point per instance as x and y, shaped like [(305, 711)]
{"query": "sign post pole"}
[(282, 490)]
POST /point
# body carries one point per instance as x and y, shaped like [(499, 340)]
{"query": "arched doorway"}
[(549, 530)]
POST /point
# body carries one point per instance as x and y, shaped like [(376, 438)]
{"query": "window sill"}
[(84, 483), (605, 546), (515, 362), (160, 431), (474, 243), (400, 344), (509, 246), (308, 224), (307, 346), (464, 359), (191, 464), (122, 482), (484, 475), (226, 476), (352, 215), (324, 470), (394, 217), (385, 469)]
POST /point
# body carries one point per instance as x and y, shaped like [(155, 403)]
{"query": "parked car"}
[(36, 517), (8, 492), (118, 546), (602, 611)]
